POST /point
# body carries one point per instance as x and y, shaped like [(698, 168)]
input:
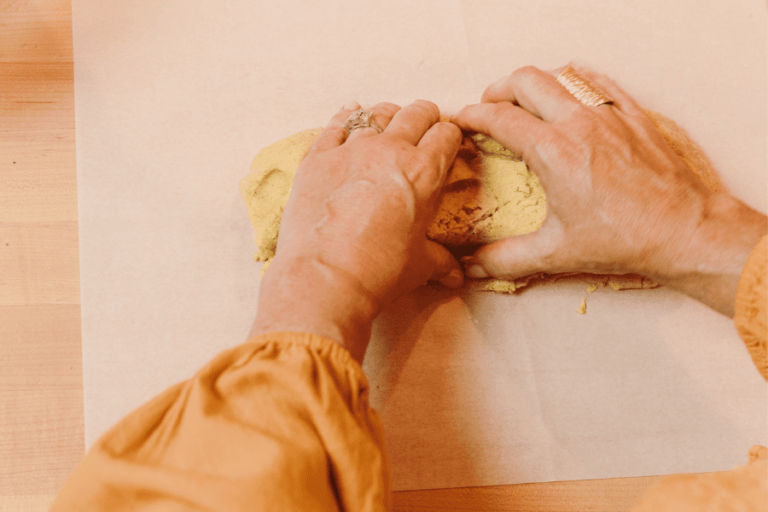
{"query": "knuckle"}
[(501, 110), (385, 104), (449, 129), (525, 72), (386, 107), (506, 125), (456, 132), (497, 109), (407, 125), (427, 107)]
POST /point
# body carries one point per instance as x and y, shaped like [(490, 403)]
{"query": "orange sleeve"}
[(745, 487), (281, 422), (751, 317)]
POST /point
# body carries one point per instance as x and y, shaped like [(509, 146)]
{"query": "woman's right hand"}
[(619, 199)]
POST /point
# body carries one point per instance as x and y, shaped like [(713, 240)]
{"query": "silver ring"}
[(361, 119), (587, 93)]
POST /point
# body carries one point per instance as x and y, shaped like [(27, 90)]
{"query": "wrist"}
[(306, 295), (706, 259)]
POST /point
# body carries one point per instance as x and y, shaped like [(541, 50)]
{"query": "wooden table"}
[(41, 384)]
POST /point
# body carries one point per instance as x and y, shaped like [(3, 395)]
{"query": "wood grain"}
[(37, 133), (39, 262), (26, 503), (609, 495), (41, 394), (41, 382), (36, 31)]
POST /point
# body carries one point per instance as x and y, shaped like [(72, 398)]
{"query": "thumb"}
[(517, 256), (446, 270)]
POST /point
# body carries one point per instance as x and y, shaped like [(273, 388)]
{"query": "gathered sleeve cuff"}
[(282, 422)]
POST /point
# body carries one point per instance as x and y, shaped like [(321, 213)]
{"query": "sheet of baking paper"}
[(174, 99)]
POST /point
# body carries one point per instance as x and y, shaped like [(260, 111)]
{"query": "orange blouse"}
[(283, 422)]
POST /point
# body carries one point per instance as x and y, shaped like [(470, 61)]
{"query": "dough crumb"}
[(582, 307)]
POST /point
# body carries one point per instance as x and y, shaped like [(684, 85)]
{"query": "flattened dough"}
[(489, 195)]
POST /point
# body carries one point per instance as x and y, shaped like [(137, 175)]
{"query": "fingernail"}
[(352, 105), (453, 280), (476, 272)]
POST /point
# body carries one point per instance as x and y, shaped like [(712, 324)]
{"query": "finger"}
[(518, 256), (517, 129), (382, 114), (412, 122), (334, 133), (445, 269), (439, 147), (621, 99), (536, 91)]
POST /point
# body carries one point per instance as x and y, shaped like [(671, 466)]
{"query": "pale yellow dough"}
[(582, 307), (266, 190), (489, 195)]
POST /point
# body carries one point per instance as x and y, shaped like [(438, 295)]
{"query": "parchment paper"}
[(173, 101)]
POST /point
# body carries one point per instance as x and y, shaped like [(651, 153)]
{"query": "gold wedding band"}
[(581, 89)]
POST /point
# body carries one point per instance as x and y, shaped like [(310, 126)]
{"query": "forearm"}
[(708, 266), (305, 295)]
